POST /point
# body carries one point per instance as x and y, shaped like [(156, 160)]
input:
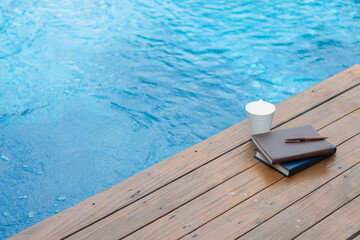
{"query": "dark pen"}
[(304, 139)]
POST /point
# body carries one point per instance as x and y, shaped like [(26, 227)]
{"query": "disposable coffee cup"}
[(259, 115)]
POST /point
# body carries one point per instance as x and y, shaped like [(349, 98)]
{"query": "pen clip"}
[(292, 140)]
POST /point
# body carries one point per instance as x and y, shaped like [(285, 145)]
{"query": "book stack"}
[(291, 157)]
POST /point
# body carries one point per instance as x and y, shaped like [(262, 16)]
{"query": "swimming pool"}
[(93, 92)]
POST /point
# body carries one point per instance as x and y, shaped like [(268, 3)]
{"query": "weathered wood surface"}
[(141, 213), (228, 194), (260, 208), (216, 190)]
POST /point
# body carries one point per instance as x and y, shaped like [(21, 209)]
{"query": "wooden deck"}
[(217, 190)]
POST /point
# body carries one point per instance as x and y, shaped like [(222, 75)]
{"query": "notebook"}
[(290, 168), (275, 150)]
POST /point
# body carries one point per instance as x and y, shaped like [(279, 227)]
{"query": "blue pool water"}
[(92, 92)]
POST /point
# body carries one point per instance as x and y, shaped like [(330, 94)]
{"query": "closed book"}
[(290, 168), (274, 148)]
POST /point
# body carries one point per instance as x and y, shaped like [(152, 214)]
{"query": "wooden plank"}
[(259, 208), (342, 224), (311, 209), (157, 204), (229, 194), (140, 185)]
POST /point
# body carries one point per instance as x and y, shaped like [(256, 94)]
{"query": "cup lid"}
[(260, 107)]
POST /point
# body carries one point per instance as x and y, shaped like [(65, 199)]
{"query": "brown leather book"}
[(273, 146)]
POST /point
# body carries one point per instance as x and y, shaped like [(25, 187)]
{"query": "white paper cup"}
[(260, 115)]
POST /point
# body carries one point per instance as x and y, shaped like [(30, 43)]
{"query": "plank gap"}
[(349, 113), (354, 235)]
